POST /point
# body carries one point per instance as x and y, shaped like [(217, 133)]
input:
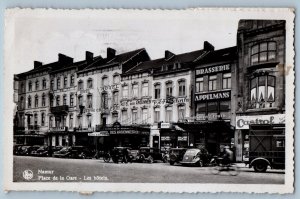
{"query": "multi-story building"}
[(100, 95), (260, 85)]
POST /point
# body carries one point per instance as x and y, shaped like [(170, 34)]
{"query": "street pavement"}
[(91, 170)]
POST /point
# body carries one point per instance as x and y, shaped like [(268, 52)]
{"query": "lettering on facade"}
[(213, 69), (243, 122), (213, 96), (154, 102), (110, 87)]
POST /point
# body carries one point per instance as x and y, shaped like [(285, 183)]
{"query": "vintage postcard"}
[(193, 100)]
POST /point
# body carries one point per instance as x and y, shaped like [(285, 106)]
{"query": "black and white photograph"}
[(195, 100)]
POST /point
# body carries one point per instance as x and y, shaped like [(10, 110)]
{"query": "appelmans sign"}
[(213, 96)]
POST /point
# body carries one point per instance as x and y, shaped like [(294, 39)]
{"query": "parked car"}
[(149, 154), (25, 150), (17, 148), (33, 150), (42, 151), (121, 154), (73, 152), (176, 155), (196, 157)]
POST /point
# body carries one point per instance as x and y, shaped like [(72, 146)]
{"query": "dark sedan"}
[(196, 157)]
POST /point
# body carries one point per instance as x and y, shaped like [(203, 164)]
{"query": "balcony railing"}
[(58, 129), (59, 109)]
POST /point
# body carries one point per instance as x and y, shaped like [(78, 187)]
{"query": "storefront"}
[(242, 130)]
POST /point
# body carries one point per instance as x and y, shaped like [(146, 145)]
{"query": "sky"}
[(41, 34)]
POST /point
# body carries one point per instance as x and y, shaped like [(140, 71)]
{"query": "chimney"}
[(89, 57), (208, 46), (64, 59), (111, 53), (168, 54), (37, 64)]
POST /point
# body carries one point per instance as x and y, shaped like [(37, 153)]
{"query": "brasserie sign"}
[(213, 69), (213, 96)]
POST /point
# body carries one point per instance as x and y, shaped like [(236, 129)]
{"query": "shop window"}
[(36, 101), (144, 116), (65, 81), (72, 80), (90, 101), (263, 52), (43, 119), (125, 91), (43, 100), (181, 88), (212, 82), (44, 83), (181, 113), (262, 91), (169, 114), (134, 116), (156, 115), (157, 91), (124, 117), (71, 118), (29, 102), (145, 89), (225, 106), (29, 86), (64, 100), (227, 81), (116, 79), (135, 88), (116, 97), (212, 107), (71, 100), (199, 84), (90, 83), (80, 85), (37, 85), (58, 83), (57, 100), (169, 89), (104, 100)]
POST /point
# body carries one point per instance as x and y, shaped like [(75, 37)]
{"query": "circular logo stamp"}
[(27, 174)]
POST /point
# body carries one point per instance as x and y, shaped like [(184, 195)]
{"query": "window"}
[(37, 85), (134, 116), (29, 86), (181, 113), (64, 121), (104, 81), (199, 84), (65, 81), (90, 83), (116, 97), (43, 119), (181, 88), (104, 102), (114, 117), (50, 121), (71, 118), (124, 116), (71, 100), (72, 80), (52, 84), (51, 101), (135, 88), (169, 89), (157, 91), (212, 107), (29, 102), (89, 121), (212, 83), (21, 102), (58, 83), (57, 100), (125, 91), (225, 106), (80, 100), (35, 119), (144, 116), (263, 52), (262, 89), (90, 101), (79, 119), (64, 100), (43, 100), (226, 80), (145, 89), (22, 88), (156, 115), (80, 85), (44, 83), (169, 114), (36, 101), (116, 79)]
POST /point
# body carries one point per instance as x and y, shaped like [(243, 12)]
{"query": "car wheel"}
[(260, 166), (172, 163), (142, 158), (151, 160), (106, 158)]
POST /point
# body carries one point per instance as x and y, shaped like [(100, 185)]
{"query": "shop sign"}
[(165, 138), (182, 138), (214, 69), (101, 133), (243, 122), (129, 132), (223, 95), (165, 125)]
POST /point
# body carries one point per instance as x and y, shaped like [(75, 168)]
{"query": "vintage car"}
[(149, 154), (43, 151), (196, 157), (65, 152), (73, 152), (176, 155), (121, 154), (27, 150), (17, 149)]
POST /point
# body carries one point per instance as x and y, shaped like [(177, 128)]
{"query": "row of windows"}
[(63, 84), (35, 119), (212, 82), (105, 82), (62, 100), (263, 52), (36, 84)]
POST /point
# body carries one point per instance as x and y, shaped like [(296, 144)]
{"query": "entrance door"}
[(155, 141)]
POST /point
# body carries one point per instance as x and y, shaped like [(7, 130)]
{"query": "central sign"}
[(243, 122), (213, 96), (213, 69), (165, 125)]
